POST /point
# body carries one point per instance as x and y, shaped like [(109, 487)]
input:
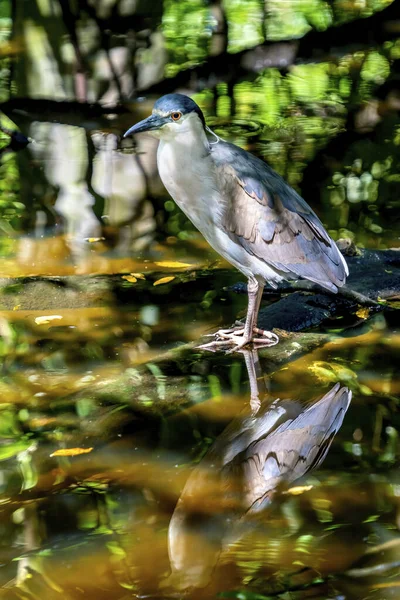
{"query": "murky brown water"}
[(111, 377)]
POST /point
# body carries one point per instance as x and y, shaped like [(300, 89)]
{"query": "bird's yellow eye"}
[(175, 116)]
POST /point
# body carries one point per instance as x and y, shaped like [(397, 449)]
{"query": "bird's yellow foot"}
[(226, 338)]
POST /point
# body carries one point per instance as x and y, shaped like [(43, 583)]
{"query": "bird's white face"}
[(176, 124)]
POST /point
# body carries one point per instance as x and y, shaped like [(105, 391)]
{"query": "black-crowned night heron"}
[(245, 210)]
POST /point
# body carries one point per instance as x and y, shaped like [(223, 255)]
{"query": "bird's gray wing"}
[(270, 220)]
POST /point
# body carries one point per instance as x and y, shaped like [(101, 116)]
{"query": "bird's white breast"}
[(188, 172), (189, 177)]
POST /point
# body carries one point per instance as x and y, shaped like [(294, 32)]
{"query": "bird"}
[(245, 210)]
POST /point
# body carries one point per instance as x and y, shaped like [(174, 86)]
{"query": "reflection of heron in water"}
[(257, 454)]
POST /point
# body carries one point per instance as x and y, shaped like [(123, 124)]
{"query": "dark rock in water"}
[(301, 310), (374, 275)]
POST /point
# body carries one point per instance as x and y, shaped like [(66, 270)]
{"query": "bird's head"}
[(172, 115)]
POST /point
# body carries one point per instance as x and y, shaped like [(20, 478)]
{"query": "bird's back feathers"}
[(264, 215)]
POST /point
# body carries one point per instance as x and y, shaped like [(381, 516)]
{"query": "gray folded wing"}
[(271, 221)]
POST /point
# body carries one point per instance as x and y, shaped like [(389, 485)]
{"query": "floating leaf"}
[(47, 319), (138, 275), (130, 278), (127, 586), (163, 280), (363, 313), (71, 451), (170, 264), (94, 239), (299, 489)]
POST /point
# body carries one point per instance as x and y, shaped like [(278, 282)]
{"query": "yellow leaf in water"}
[(363, 313), (170, 264), (299, 489), (16, 307), (163, 280), (47, 319), (71, 451), (92, 240), (130, 278), (138, 275)]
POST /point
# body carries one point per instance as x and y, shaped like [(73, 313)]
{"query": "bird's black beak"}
[(149, 124)]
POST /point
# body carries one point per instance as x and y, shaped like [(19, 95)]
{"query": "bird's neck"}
[(187, 171), (190, 144), (182, 159)]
